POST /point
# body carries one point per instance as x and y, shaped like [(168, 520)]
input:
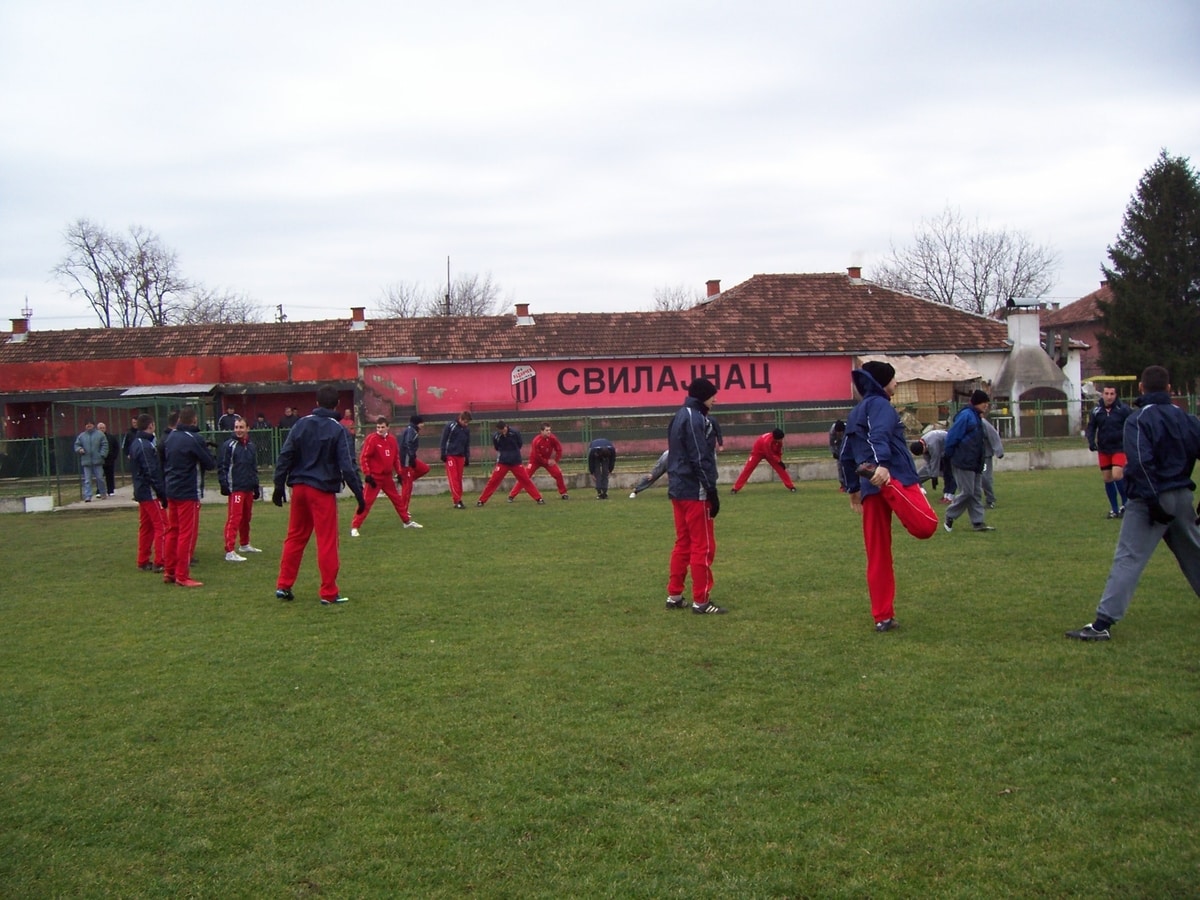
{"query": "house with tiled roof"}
[(1080, 321), (773, 341)]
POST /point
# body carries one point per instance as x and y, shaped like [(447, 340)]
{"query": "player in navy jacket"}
[(238, 474)]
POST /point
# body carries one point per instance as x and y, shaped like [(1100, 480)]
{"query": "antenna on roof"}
[(27, 310), (447, 285), (280, 315)]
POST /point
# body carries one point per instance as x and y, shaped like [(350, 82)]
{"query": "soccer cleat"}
[(1113, 514), (982, 528), (284, 594), (459, 505), (733, 490), (1121, 513), (633, 495), (1088, 633), (676, 603), (232, 556), (413, 523), (792, 489), (478, 503), (886, 625), (511, 499), (354, 532), (709, 608), (246, 548), (541, 501), (189, 582), (563, 497), (331, 601), (948, 525), (147, 567)]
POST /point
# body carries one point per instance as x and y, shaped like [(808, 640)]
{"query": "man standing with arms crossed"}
[(316, 458), (692, 480)]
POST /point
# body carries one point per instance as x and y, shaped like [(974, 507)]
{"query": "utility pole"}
[(447, 285)]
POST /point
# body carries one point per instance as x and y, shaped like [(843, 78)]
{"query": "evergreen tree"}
[(1154, 315)]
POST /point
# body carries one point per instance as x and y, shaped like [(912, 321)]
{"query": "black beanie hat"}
[(880, 371), (702, 389), (978, 397)]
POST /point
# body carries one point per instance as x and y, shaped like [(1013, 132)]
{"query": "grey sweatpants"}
[(1135, 545), (968, 497)]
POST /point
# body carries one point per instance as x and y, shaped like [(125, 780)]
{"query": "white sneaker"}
[(633, 495), (353, 532), (246, 548), (232, 556), (413, 523)]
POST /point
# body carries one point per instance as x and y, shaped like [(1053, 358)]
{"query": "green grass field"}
[(505, 709)]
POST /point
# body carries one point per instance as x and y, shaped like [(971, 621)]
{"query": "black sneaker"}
[(331, 601), (512, 499), (479, 503), (284, 594), (1113, 514), (948, 525), (676, 603), (709, 608), (793, 490), (459, 505), (147, 567), (1121, 513), (563, 497), (541, 501), (1088, 633), (982, 528), (886, 625)]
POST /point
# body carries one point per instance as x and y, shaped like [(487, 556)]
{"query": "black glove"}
[(1160, 515), (370, 480), (258, 492), (362, 504), (443, 457), (714, 504), (224, 492), (1092, 447), (278, 496)]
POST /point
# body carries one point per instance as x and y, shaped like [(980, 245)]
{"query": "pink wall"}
[(603, 384)]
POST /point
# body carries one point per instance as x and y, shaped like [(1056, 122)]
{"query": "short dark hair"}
[(777, 434), (416, 420), (917, 448), (327, 396), (187, 415), (381, 420), (1155, 378), (143, 420), (465, 415)]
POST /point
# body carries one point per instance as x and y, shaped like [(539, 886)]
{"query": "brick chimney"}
[(358, 318), (714, 286), (523, 316), (855, 273), (20, 328)]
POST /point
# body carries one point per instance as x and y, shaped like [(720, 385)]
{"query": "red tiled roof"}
[(1085, 310), (807, 314)]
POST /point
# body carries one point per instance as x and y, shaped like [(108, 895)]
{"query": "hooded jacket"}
[(874, 434), (1162, 443), (966, 441), (691, 461)]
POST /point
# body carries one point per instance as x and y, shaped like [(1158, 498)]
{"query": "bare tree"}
[(94, 267), (469, 295), (207, 306), (403, 300), (676, 296), (154, 270), (127, 282), (967, 267)]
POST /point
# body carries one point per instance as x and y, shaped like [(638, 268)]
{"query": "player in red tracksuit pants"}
[(770, 448), (544, 453), (507, 442), (187, 456), (411, 468), (237, 471), (380, 459)]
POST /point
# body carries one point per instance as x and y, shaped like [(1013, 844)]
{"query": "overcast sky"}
[(309, 153)]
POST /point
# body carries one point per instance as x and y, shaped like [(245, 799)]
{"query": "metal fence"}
[(49, 466)]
